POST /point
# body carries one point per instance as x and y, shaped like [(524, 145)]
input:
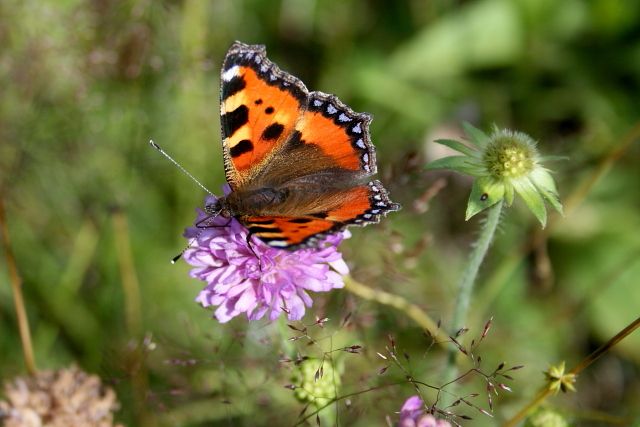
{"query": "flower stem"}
[(412, 310), (18, 299), (469, 277), (546, 391)]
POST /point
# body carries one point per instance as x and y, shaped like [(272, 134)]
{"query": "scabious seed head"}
[(67, 397), (509, 155), (316, 382), (504, 163)]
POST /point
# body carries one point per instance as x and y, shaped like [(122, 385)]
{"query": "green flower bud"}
[(316, 382), (504, 163), (546, 418)]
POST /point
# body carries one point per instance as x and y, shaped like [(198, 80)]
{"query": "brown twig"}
[(545, 392), (18, 299)]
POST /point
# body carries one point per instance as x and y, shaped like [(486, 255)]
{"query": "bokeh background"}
[(95, 214)]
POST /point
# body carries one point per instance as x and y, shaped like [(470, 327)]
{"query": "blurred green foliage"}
[(84, 84)]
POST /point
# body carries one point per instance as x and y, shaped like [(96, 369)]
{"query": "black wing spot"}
[(234, 120), (241, 147), (255, 229), (300, 220), (262, 221), (258, 101), (273, 131), (269, 110), (233, 86), (295, 140), (321, 215)]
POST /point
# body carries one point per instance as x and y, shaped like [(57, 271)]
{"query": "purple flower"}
[(275, 281), (412, 415)]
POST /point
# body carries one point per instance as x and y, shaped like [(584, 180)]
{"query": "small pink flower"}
[(274, 282), (412, 415)]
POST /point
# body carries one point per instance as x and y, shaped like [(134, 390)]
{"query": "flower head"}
[(559, 380), (68, 397), (504, 163), (316, 381), (412, 415), (269, 282)]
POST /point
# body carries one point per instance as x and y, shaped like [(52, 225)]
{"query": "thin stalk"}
[(18, 299), (546, 391), (396, 301), (469, 278)]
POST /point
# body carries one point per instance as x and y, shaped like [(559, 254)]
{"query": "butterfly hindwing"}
[(360, 205)]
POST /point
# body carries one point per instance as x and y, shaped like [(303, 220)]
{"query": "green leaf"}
[(532, 198), (543, 181), (485, 192), (458, 146), (508, 194), (477, 137), (462, 164)]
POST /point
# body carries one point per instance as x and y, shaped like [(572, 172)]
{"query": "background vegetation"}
[(95, 214)]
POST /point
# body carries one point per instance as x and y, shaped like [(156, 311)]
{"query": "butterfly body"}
[(299, 163)]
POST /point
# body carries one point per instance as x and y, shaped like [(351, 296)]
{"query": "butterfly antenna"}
[(195, 238), (179, 166)]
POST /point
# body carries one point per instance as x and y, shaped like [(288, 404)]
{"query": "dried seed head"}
[(68, 397)]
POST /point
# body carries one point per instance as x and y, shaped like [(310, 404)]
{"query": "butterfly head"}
[(218, 208)]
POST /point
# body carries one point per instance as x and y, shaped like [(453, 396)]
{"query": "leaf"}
[(478, 138), (462, 164), (485, 193), (543, 181), (532, 198), (458, 146)]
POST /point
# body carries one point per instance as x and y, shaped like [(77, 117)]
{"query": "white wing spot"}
[(258, 59), (373, 187), (317, 103), (365, 158), (264, 68), (356, 129), (230, 73), (360, 144), (331, 109), (375, 211), (278, 243), (367, 216), (344, 118), (377, 197)]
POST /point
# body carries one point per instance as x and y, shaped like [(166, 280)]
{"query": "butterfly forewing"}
[(259, 107)]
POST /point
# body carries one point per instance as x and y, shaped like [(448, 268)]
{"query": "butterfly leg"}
[(202, 224)]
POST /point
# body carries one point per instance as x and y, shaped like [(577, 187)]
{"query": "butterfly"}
[(299, 163)]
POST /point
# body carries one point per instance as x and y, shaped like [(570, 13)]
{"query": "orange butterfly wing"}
[(268, 114), (259, 107)]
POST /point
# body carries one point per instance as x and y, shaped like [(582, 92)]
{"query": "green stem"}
[(469, 277)]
